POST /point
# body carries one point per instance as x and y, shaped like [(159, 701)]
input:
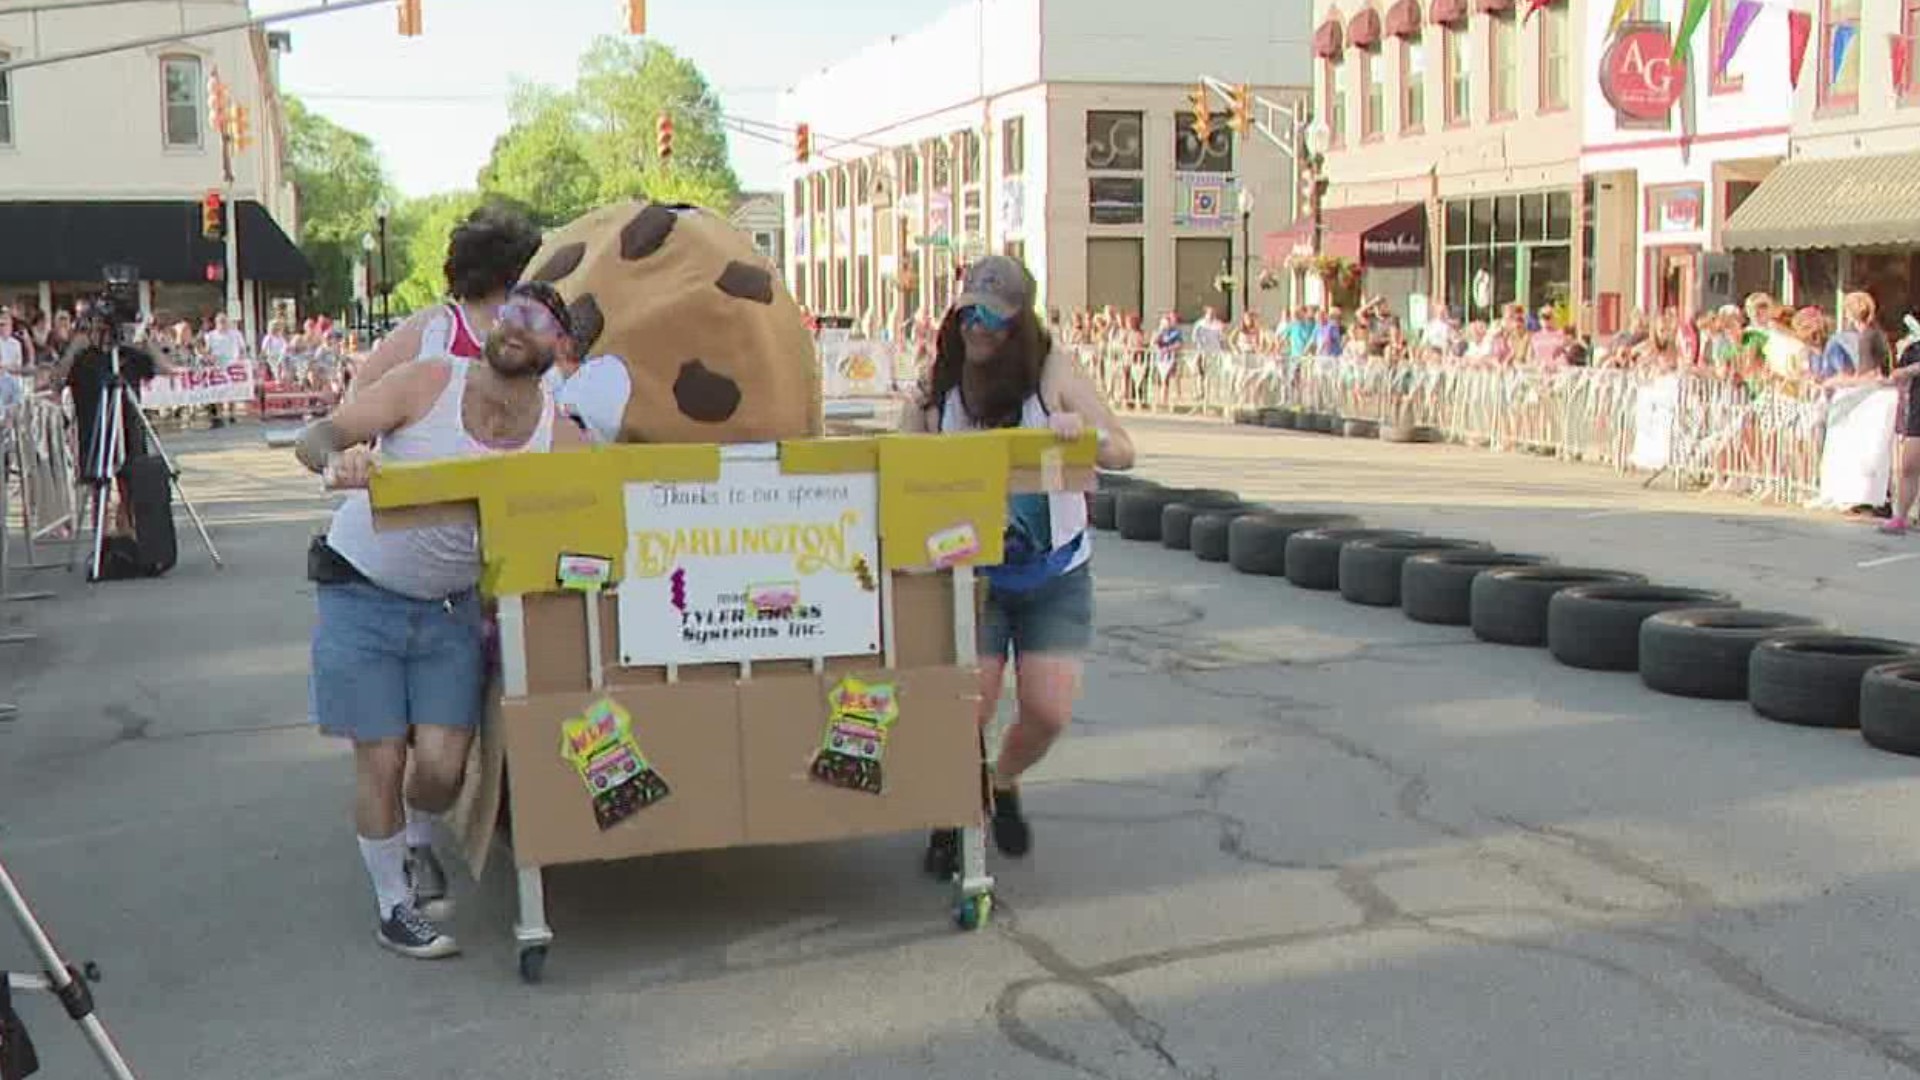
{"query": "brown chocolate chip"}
[(703, 395), (587, 323), (746, 282), (561, 263), (646, 232)]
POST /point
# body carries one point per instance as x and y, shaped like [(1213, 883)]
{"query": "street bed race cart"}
[(706, 646)]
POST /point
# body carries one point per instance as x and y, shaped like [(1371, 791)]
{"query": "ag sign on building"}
[(1639, 76)]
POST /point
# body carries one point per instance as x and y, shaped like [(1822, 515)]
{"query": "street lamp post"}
[(366, 308), (1319, 140), (1246, 249), (380, 212)]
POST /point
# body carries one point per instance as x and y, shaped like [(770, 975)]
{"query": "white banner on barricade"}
[(1857, 461), (855, 367), (231, 385), (1655, 405)]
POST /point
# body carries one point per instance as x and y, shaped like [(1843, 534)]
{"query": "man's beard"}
[(533, 367)]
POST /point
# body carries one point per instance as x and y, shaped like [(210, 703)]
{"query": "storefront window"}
[(1524, 243)]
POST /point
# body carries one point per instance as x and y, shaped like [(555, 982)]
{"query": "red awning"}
[(1327, 41), (1447, 12), (1397, 230), (1364, 31), (1403, 19)]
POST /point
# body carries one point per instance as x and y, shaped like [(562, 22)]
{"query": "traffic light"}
[(636, 16), (803, 143), (1202, 116), (1243, 109), (410, 18), (663, 129), (241, 128), (218, 104), (213, 216)]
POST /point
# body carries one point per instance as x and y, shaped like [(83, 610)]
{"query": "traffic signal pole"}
[(168, 39)]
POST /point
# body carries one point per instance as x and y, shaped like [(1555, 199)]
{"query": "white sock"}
[(420, 827), (387, 865)]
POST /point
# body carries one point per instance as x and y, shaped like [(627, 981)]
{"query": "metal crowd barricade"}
[(40, 465), (1761, 441)]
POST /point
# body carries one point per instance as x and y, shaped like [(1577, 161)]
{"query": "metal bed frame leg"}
[(973, 888), (530, 930)]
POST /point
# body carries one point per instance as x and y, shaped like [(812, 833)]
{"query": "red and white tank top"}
[(449, 333)]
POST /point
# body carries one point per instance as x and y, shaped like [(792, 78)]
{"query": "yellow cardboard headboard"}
[(933, 489)]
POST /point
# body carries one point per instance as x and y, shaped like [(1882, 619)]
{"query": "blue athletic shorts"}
[(1056, 617), (384, 663)]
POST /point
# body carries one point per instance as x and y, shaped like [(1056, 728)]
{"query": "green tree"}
[(339, 180), (426, 223), (567, 152)]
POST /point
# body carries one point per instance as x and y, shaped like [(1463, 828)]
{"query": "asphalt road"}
[(1288, 836)]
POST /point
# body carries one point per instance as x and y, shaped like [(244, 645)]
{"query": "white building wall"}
[(1262, 42), (93, 129)]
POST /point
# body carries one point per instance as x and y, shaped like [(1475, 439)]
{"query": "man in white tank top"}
[(399, 654)]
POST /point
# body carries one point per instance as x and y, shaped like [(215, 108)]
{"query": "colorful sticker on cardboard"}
[(602, 750), (860, 716)]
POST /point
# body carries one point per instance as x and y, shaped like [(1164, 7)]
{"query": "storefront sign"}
[(753, 566), (1401, 244), (1675, 209), (1638, 74)]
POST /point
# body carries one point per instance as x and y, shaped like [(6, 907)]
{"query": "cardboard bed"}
[(709, 646)]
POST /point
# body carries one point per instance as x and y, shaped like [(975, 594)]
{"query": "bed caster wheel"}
[(974, 912), (533, 964)]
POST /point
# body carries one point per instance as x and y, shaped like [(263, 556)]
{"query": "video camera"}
[(117, 307)]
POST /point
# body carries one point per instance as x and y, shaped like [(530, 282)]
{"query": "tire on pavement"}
[(1277, 418), (1704, 654), (1247, 417), (1509, 604), (1313, 555), (1816, 680), (1394, 433), (1597, 627), (1100, 509), (1176, 518), (1359, 429), (1119, 481), (1436, 587), (1211, 538), (1890, 708), (1136, 513), (1370, 569), (1257, 542)]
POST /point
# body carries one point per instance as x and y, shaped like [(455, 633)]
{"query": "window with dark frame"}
[(6, 102), (1190, 156), (1115, 160), (1013, 146), (185, 105)]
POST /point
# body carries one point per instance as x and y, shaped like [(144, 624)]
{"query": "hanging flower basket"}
[(1224, 283), (1267, 281)]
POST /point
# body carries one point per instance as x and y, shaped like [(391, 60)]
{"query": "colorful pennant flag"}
[(1799, 32), (1901, 47), (1621, 8), (1738, 23), (1696, 11), (1843, 35), (1534, 7)]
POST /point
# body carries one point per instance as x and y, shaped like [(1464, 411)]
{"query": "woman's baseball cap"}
[(999, 283)]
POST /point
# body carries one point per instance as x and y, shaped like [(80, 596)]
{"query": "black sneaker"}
[(943, 854), (410, 933), (428, 880), (1011, 833)]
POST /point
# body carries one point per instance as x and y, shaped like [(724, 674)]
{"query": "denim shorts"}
[(1057, 617), (384, 663)]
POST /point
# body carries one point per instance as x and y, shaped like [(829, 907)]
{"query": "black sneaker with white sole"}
[(1011, 833), (410, 933), (428, 880), (943, 854)]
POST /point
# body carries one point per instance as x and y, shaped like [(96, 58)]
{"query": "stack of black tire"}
[(1685, 642)]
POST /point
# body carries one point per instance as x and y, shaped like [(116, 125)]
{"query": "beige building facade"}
[(1056, 131), (108, 159), (1842, 213)]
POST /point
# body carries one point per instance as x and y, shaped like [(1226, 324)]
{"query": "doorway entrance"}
[(1675, 280)]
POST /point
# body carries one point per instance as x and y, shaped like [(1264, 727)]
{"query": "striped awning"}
[(1403, 19), (1831, 203), (1328, 40), (1363, 32)]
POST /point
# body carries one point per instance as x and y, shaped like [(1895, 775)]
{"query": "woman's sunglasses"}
[(984, 319), (529, 315)]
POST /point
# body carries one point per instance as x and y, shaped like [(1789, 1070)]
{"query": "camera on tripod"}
[(117, 307)]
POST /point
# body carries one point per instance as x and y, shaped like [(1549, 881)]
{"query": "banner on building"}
[(231, 385), (1204, 200), (1857, 460)]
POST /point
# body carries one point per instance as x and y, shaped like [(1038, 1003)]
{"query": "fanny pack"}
[(326, 566)]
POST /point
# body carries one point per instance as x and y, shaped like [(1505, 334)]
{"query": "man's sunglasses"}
[(984, 319), (530, 314)]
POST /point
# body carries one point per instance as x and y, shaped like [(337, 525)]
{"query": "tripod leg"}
[(73, 993), (174, 475)]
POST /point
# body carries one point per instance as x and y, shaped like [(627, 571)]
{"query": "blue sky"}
[(434, 104)]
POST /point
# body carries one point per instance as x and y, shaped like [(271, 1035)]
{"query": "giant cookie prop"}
[(716, 346)]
